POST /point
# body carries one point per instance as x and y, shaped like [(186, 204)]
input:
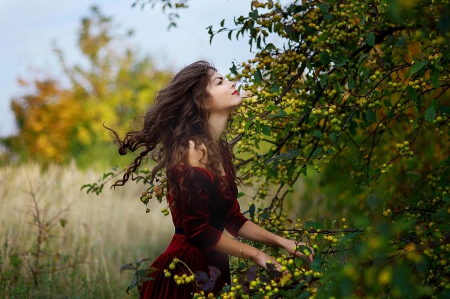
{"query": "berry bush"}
[(354, 94)]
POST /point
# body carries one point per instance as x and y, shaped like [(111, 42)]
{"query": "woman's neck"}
[(218, 122)]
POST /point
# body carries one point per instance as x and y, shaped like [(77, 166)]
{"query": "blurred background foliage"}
[(60, 119)]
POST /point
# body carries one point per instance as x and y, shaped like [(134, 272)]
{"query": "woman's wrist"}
[(280, 242), (254, 254)]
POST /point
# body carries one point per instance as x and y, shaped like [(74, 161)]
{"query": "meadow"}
[(59, 242)]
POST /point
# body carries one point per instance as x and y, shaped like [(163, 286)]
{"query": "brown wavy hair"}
[(180, 114)]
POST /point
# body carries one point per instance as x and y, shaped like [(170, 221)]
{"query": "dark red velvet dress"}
[(205, 208)]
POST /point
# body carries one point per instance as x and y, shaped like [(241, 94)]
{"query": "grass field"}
[(75, 244), (59, 242)]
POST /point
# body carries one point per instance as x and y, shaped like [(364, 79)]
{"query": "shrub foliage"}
[(356, 91)]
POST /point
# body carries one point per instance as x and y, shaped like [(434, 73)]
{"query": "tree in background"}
[(57, 123), (355, 101)]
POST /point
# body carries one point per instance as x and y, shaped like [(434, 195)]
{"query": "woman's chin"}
[(239, 102)]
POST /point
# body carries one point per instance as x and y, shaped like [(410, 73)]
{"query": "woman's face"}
[(224, 95)]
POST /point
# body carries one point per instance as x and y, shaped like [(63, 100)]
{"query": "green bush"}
[(354, 94)]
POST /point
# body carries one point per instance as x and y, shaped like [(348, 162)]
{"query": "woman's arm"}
[(232, 247), (253, 232)]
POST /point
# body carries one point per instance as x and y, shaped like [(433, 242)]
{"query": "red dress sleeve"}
[(235, 220), (194, 201)]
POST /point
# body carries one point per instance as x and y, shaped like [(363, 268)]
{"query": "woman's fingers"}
[(304, 258), (311, 254)]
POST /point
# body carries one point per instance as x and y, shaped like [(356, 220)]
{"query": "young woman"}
[(182, 131)]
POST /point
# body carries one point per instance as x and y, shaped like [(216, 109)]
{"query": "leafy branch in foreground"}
[(139, 276)]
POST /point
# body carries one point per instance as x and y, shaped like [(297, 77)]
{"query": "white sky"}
[(29, 27)]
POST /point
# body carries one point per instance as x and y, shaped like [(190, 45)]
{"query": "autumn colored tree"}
[(355, 102), (57, 122)]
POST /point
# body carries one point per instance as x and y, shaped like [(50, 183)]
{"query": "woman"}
[(182, 131)]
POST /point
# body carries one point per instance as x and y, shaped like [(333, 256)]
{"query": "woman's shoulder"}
[(197, 155), (198, 160)]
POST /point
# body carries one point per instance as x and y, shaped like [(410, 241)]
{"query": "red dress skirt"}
[(204, 208)]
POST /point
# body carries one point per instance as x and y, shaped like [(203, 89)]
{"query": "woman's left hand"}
[(291, 245)]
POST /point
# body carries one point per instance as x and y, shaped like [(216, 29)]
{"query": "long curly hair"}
[(180, 114)]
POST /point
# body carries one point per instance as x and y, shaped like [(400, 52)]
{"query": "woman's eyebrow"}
[(221, 78)]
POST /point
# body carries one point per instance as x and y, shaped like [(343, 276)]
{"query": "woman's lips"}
[(235, 92)]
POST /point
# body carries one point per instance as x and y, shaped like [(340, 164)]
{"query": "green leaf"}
[(280, 113), (370, 39), (416, 121), (316, 152), (277, 26), (62, 222), (308, 64), (444, 109), (313, 224), (126, 267), (331, 151), (270, 46), (106, 175), (233, 69), (86, 186), (271, 108), (363, 56), (417, 66), (323, 7), (266, 130), (325, 58), (333, 136), (275, 88), (351, 83), (337, 87), (444, 22), (251, 210), (258, 76), (413, 95), (285, 294), (370, 116), (247, 125), (318, 134), (288, 29), (256, 143), (340, 61), (291, 154), (222, 23), (253, 14), (435, 74), (323, 80), (434, 104), (142, 273), (430, 114)]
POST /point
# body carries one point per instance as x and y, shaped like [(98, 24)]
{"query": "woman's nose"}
[(233, 85)]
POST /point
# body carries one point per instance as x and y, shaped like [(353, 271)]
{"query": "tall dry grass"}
[(89, 238), (85, 238)]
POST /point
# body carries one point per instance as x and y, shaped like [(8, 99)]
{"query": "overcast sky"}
[(29, 27)]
